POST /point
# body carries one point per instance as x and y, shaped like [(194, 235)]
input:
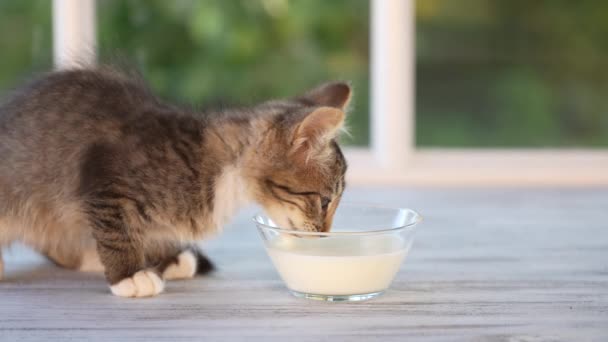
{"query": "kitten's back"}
[(46, 127), (46, 124)]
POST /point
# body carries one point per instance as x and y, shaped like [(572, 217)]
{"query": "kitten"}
[(99, 174)]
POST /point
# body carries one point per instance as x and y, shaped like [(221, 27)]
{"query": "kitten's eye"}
[(325, 203)]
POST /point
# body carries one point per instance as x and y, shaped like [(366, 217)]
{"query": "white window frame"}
[(392, 157), (74, 33)]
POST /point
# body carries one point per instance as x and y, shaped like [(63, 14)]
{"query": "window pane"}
[(243, 51), (512, 73), (25, 38)]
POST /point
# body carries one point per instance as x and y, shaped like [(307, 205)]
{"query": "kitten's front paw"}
[(184, 268), (142, 284)]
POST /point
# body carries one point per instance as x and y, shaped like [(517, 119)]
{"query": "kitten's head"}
[(300, 167)]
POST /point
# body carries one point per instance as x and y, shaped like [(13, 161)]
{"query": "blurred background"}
[(489, 73)]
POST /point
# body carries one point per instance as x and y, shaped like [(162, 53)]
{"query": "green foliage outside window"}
[(242, 50), (512, 73), (489, 73), (25, 40)]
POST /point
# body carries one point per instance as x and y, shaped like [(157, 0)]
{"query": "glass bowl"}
[(356, 260)]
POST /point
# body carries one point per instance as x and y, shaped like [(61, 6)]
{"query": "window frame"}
[(392, 157), (74, 33)]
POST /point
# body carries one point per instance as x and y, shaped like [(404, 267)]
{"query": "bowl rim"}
[(417, 219)]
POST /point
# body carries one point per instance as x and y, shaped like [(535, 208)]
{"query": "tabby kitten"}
[(98, 173)]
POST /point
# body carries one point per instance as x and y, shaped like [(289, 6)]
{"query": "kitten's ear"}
[(336, 94), (317, 129)]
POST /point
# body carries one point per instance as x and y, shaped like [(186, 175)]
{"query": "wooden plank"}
[(488, 265)]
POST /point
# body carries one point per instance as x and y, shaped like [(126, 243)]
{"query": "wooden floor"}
[(487, 265)]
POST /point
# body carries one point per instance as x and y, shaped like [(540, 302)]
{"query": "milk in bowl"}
[(356, 260)]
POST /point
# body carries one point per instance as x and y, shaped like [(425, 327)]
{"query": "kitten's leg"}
[(70, 245), (189, 262), (178, 262), (121, 252), (63, 255), (90, 261)]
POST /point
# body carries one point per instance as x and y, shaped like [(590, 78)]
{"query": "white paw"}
[(141, 284), (185, 267)]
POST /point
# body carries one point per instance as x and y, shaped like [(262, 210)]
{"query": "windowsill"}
[(463, 167)]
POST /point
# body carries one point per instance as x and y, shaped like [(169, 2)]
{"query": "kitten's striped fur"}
[(94, 166)]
